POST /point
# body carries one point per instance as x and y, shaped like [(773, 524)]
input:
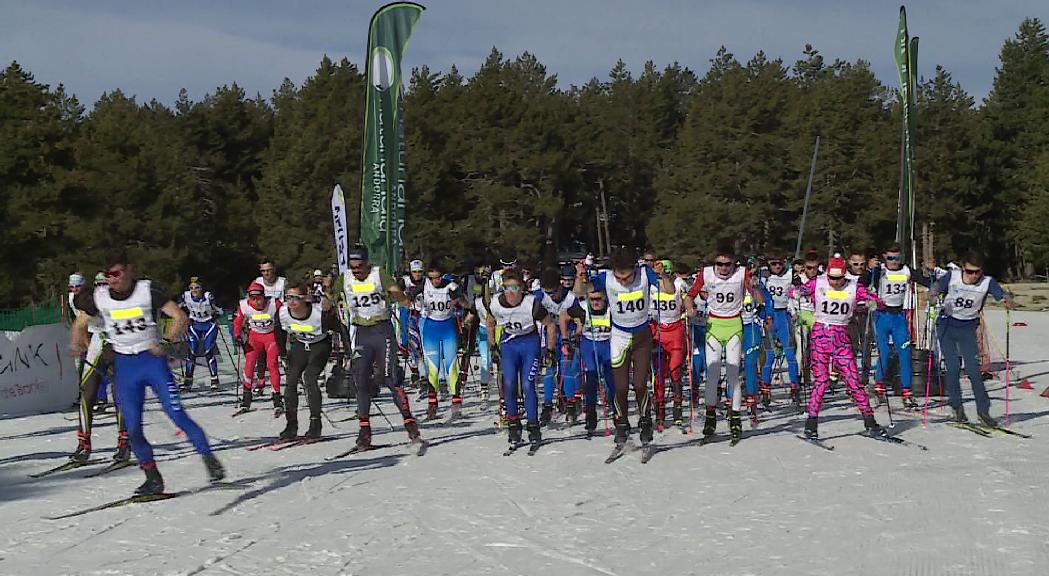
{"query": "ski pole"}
[(1008, 324)]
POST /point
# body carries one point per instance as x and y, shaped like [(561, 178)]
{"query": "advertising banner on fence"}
[(36, 372)]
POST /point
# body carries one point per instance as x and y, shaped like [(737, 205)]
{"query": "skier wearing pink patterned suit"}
[(836, 298)]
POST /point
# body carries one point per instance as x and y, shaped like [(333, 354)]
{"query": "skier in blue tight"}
[(595, 352), (779, 326), (129, 308), (552, 294), (894, 283), (517, 313), (754, 316), (203, 332), (440, 336)]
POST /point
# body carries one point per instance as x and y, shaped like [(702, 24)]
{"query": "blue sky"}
[(152, 49)]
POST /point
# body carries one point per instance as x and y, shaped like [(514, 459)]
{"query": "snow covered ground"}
[(771, 505)]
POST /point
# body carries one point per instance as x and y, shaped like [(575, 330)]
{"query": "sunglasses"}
[(812, 267), (973, 272), (265, 270), (775, 263), (856, 263), (256, 294), (434, 277), (723, 263), (294, 297), (892, 258), (113, 273), (195, 287), (513, 289)]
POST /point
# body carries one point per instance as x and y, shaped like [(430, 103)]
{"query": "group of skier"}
[(585, 332)]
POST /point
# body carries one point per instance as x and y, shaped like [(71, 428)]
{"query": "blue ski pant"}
[(566, 372), (519, 363), (440, 347), (484, 351), (783, 331), (135, 373), (893, 325), (958, 344), (751, 356), (596, 358), (698, 353), (202, 334)]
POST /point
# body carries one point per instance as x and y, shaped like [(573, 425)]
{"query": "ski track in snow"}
[(771, 505)]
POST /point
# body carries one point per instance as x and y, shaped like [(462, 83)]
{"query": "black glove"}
[(496, 355), (549, 358), (567, 350)]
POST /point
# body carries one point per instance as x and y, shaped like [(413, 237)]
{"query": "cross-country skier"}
[(724, 285), (554, 289), (668, 331), (308, 328), (274, 287), (779, 326), (835, 298), (698, 327), (594, 349), (964, 294), (894, 285), (410, 338), (129, 308), (368, 291), (200, 306), (96, 362), (516, 314), (254, 330), (440, 336), (754, 316), (628, 289)]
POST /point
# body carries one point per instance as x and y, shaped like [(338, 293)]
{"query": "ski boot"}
[(987, 419), (546, 413), (908, 400), (795, 396), (622, 431), (314, 431), (484, 397), (364, 437), (123, 453), (291, 430), (661, 415), (514, 428), (752, 409), (958, 415), (879, 389), (735, 426), (215, 470), (676, 414), (431, 406), (83, 449), (535, 436), (570, 413), (410, 426), (187, 384), (457, 408), (278, 404), (444, 390), (100, 407), (811, 427), (766, 395), (872, 428), (154, 483), (591, 420), (710, 421), (215, 384), (645, 424)]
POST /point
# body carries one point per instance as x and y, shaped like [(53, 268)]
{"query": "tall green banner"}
[(905, 53), (383, 168)]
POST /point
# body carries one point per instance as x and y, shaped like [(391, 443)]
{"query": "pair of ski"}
[(285, 443), (881, 438), (421, 446), (647, 450), (533, 447), (987, 431), (277, 412), (143, 498), (712, 438), (113, 466)]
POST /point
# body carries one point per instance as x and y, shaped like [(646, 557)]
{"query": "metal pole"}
[(808, 194)]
